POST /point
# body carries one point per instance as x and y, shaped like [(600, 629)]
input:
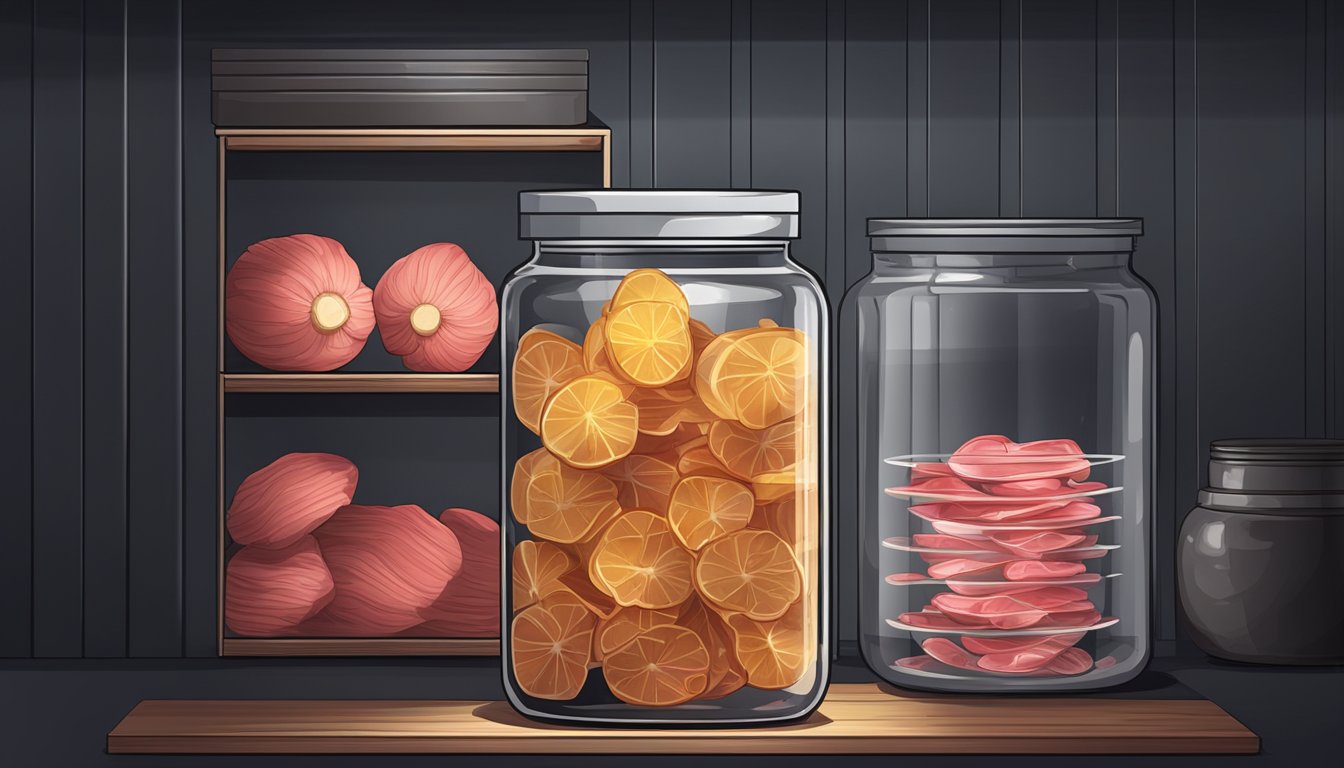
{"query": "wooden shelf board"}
[(358, 646), (577, 139), (855, 719), (360, 382)]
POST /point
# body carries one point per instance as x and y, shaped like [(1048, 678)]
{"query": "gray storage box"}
[(375, 88)]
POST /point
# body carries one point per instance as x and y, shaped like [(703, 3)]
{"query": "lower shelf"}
[(358, 646), (855, 719)]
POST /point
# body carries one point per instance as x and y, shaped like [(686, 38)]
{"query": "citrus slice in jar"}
[(663, 667), (550, 647), (702, 509), (588, 423), (564, 505), (537, 568), (649, 285), (648, 343), (758, 379), (749, 572), (698, 460), (543, 363), (775, 654), (639, 562), (725, 674), (595, 358), (780, 517), (625, 625), (643, 482), (755, 454), (528, 467)]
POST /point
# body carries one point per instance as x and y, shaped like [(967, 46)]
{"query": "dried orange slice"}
[(648, 343), (698, 460), (543, 363), (639, 562), (588, 424), (625, 625), (780, 517), (775, 654), (526, 468), (537, 568), (650, 445), (565, 504), (702, 509), (550, 647), (725, 675), (665, 666), (576, 583), (759, 379), (649, 285), (749, 572), (595, 358), (643, 482), (754, 454)]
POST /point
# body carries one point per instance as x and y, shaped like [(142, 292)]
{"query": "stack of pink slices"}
[(1011, 531)]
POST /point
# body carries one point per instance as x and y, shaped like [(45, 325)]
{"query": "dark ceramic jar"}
[(1259, 560)]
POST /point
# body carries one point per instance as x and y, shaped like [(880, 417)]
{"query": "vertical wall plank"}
[(104, 332), (963, 77), (1250, 227), (1108, 106), (1334, 218), (1010, 108), (1191, 452), (1314, 318), (154, 237), (1059, 92), (740, 95), (16, 391), (844, 617), (692, 107), (58, 120), (917, 51), (1145, 164), (788, 121), (875, 126), (642, 95), (200, 317)]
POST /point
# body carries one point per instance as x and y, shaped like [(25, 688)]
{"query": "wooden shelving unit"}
[(854, 720), (277, 383), (592, 138)]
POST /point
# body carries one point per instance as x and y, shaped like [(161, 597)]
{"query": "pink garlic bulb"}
[(469, 607), (389, 563), (271, 591), (287, 499), (436, 309), (296, 303)]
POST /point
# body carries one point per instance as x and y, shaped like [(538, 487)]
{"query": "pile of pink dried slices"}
[(1012, 524)]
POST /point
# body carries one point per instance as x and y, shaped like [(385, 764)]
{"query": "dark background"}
[(1219, 123)]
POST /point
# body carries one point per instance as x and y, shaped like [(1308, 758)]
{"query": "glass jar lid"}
[(1003, 236), (663, 214)]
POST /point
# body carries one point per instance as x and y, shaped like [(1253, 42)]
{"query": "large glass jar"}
[(1005, 456), (664, 437)]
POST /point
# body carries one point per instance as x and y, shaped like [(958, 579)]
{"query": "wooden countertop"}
[(855, 719)]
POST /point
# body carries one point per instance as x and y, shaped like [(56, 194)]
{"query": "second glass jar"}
[(664, 429), (1005, 453)]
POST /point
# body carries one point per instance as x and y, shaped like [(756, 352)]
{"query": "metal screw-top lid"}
[(662, 214), (1003, 236)]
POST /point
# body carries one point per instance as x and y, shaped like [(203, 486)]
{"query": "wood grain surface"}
[(520, 141), (855, 719), (361, 382)]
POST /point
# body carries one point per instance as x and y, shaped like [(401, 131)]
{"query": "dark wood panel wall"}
[(1219, 123)]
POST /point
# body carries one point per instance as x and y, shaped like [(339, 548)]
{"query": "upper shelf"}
[(593, 137), (277, 383)]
